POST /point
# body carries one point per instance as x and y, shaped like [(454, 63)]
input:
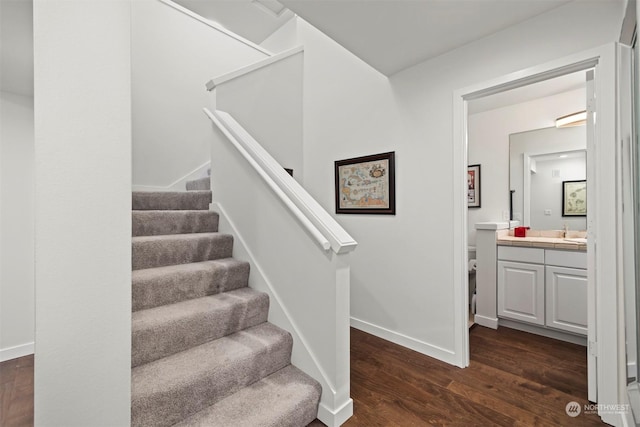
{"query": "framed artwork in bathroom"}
[(473, 186), (366, 185), (574, 198)]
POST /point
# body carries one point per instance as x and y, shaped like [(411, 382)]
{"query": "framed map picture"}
[(473, 186), (574, 198), (366, 185)]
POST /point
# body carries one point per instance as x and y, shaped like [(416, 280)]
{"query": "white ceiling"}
[(16, 46), (391, 35), (242, 17)]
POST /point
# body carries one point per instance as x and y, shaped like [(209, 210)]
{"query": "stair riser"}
[(159, 253), (212, 321), (154, 223), (153, 288), (170, 200), (199, 184), (167, 406)]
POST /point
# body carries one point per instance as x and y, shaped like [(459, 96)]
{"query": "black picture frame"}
[(474, 186), (574, 198), (366, 185)]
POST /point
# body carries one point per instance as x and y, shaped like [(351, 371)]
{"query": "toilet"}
[(471, 256)]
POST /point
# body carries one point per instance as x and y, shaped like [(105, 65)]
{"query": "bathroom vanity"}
[(536, 283), (544, 287)]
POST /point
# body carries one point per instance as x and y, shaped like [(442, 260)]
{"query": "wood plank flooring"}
[(514, 379), (16, 392)]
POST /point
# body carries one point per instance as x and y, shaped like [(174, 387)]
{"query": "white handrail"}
[(216, 26), (216, 81), (322, 241), (313, 217)]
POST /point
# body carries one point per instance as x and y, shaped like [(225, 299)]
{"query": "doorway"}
[(603, 280)]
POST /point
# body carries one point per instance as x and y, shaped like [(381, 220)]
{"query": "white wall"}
[(173, 57), (83, 212), (402, 271), (489, 146), (546, 193), (16, 226)]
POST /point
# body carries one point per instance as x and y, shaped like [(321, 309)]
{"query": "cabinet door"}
[(521, 291), (566, 299)]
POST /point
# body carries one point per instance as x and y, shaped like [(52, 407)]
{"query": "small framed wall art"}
[(574, 198), (366, 185), (473, 186)]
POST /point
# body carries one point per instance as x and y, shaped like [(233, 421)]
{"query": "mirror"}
[(539, 161)]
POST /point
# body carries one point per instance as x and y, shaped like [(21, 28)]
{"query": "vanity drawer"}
[(571, 259), (518, 254)]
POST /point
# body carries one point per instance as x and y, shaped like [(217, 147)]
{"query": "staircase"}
[(203, 353)]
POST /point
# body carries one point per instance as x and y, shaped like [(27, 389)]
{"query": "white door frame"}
[(603, 270)]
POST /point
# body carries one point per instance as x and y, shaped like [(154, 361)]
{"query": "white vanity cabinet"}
[(566, 290), (544, 287), (521, 284)]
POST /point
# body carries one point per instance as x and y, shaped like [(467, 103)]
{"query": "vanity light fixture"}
[(575, 119)]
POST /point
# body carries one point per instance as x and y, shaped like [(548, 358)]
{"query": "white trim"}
[(337, 417), (425, 348), (545, 332), (326, 230), (216, 26), (488, 322), (604, 227), (179, 184), (17, 351), (217, 81)]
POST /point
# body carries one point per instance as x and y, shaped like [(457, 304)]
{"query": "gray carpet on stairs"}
[(171, 200), (203, 352), (153, 223), (169, 329), (283, 399), (199, 184), (152, 287)]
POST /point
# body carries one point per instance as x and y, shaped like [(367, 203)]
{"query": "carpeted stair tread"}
[(287, 398), (169, 390), (171, 200), (154, 223), (169, 329), (159, 251), (153, 287), (199, 184)]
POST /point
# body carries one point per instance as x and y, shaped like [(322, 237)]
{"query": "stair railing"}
[(278, 226)]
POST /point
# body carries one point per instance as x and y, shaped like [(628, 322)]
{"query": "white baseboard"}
[(17, 351), (335, 418), (425, 348), (177, 185), (549, 333), (487, 322)]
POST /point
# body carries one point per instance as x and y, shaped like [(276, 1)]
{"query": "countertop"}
[(576, 244)]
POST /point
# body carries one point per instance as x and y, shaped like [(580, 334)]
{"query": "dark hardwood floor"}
[(16, 392), (514, 379)]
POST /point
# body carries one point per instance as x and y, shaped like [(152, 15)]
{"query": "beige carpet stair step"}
[(163, 331), (171, 389), (153, 287), (155, 223), (159, 251), (199, 184), (171, 200), (286, 398)]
